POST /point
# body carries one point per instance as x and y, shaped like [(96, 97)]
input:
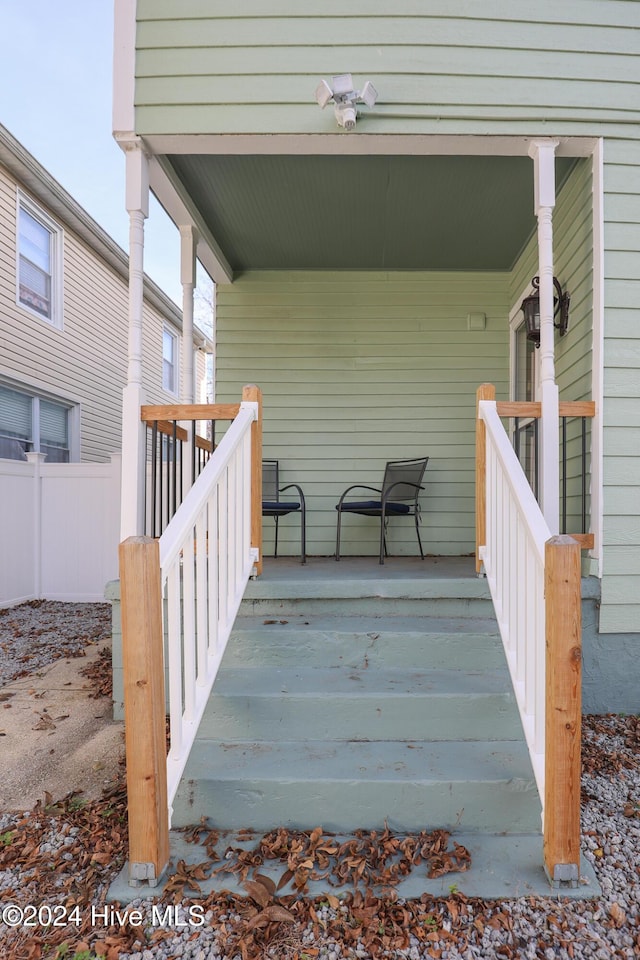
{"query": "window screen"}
[(35, 264), (15, 413), (30, 423), (54, 431), (169, 341)]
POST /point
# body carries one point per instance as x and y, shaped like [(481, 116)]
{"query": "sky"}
[(55, 98)]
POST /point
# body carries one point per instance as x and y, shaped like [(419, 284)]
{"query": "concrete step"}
[(344, 703), (325, 639), (411, 606), (338, 592), (345, 786)]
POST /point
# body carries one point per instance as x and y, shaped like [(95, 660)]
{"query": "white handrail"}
[(206, 560), (514, 562)]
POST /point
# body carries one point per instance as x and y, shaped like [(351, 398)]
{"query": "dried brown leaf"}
[(258, 892)]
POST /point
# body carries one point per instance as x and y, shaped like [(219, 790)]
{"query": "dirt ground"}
[(57, 733)]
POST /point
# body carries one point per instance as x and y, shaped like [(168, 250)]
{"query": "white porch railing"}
[(180, 596), (534, 579), (514, 557), (206, 560)]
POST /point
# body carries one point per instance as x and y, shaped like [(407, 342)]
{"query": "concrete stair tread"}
[(366, 624), (329, 682), (501, 866), (341, 584), (324, 639), (415, 761)]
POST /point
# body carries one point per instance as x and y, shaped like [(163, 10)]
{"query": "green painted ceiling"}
[(370, 212)]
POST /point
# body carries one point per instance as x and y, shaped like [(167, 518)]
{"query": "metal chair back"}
[(404, 476)]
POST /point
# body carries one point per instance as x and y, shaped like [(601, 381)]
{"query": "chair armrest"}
[(356, 486), (400, 483), (294, 486)]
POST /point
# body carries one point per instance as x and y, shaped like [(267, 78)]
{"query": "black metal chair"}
[(399, 494), (273, 506)]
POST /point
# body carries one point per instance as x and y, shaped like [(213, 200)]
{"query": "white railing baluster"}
[(174, 657), (223, 558), (202, 553), (188, 627), (523, 612), (213, 573)]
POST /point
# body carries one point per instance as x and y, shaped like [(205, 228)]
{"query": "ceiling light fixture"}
[(345, 98)]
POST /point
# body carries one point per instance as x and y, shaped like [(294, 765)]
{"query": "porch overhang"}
[(348, 203)]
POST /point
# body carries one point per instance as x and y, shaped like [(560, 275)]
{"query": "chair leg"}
[(382, 538), (418, 536), (275, 551), (338, 535), (303, 535)]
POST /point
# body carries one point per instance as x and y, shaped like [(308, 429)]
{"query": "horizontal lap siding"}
[(620, 610), (358, 369), (218, 68), (86, 361)]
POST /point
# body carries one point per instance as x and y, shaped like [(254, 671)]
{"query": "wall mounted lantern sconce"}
[(531, 309), (345, 98)]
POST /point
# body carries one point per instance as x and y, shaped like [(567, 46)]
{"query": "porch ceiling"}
[(365, 212)]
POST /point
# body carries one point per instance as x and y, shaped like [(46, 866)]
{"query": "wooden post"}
[(563, 710), (486, 391), (144, 709), (254, 394)]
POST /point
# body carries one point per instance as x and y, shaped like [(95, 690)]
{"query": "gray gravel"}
[(33, 635), (525, 928)]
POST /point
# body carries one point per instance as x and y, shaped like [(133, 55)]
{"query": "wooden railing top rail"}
[(533, 409), (164, 426), (190, 411), (167, 427)]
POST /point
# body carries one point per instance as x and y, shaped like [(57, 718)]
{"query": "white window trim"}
[(176, 360), (73, 411), (24, 202)]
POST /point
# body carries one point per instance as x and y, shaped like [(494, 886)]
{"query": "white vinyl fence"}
[(60, 526)]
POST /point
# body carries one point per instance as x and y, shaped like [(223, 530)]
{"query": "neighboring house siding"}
[(205, 66), (620, 609), (361, 368), (85, 362)]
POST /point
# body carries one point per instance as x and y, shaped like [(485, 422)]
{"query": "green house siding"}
[(510, 69), (212, 67), (361, 368), (620, 609)]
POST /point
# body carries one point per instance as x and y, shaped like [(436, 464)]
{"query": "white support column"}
[(188, 243), (543, 154), (133, 436)]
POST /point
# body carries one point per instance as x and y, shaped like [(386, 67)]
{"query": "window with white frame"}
[(39, 262), (33, 424), (169, 361)]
